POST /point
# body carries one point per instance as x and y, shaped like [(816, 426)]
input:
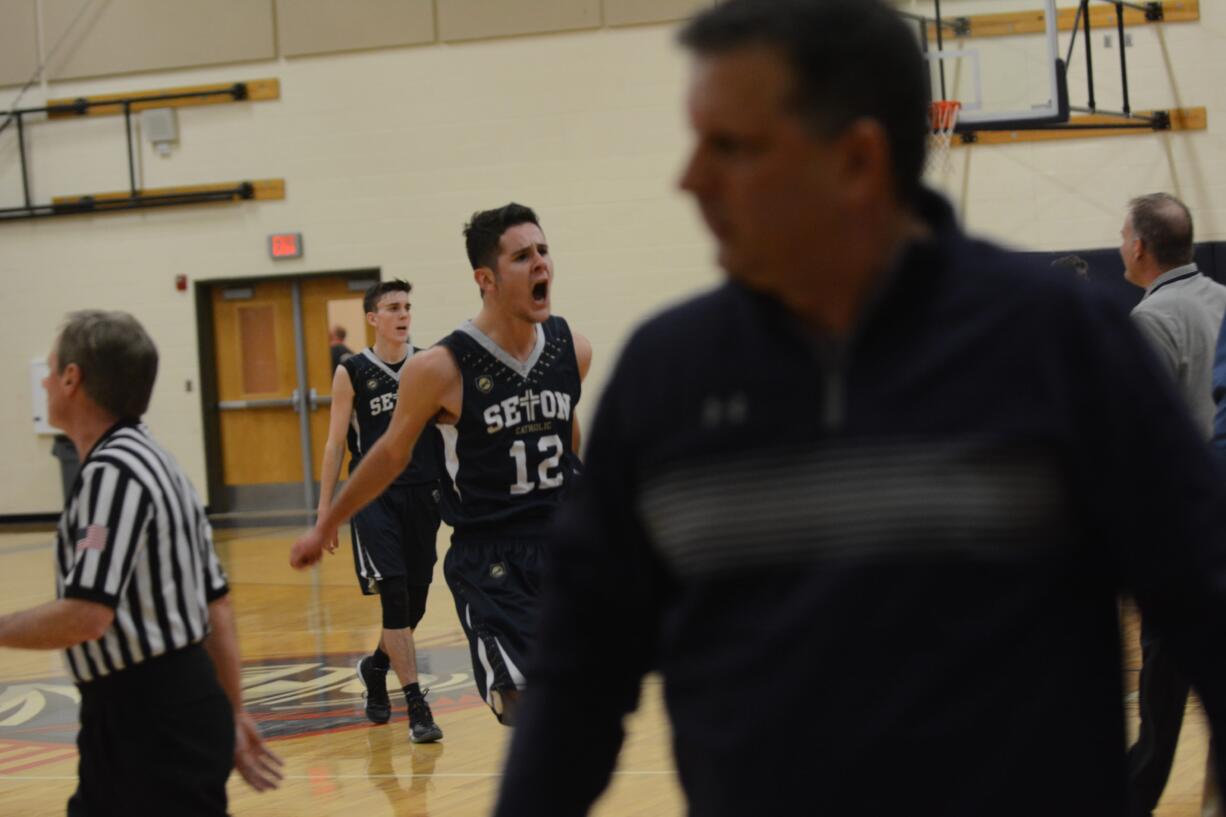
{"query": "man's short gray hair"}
[(117, 359), (1164, 223)]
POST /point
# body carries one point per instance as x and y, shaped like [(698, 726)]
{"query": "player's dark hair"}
[(1079, 266), (117, 359), (370, 301), (483, 233), (850, 59), (1164, 223)]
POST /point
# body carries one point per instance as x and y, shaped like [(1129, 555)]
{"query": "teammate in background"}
[(1079, 266), (502, 389), (336, 345), (394, 537)]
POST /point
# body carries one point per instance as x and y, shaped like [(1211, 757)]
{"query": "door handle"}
[(315, 400), (275, 402)]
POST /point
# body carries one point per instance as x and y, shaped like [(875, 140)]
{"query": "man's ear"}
[(70, 378), (866, 168), (484, 276), (1139, 250)]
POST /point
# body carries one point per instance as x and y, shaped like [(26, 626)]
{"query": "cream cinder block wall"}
[(146, 35), (18, 41), (385, 154)]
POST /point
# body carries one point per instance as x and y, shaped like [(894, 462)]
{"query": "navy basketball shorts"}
[(395, 536), (497, 590)]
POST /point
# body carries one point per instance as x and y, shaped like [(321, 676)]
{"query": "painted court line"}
[(46, 760), (358, 776)]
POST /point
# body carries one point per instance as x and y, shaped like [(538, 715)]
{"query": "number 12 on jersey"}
[(519, 453)]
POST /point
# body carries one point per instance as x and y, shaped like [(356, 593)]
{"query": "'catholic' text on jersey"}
[(375, 387), (510, 455)]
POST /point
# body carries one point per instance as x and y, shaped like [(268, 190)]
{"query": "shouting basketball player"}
[(502, 389)]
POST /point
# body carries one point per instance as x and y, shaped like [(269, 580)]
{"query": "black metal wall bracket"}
[(135, 200)]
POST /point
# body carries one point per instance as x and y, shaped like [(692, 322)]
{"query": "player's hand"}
[(307, 550), (258, 765)]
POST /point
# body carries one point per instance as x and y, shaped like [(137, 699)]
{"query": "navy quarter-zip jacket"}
[(882, 580)]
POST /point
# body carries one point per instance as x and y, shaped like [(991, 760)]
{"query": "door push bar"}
[(295, 401)]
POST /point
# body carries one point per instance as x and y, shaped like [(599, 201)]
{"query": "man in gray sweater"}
[(1180, 315)]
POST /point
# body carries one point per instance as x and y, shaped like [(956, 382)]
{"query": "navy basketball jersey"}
[(509, 457), (375, 387)]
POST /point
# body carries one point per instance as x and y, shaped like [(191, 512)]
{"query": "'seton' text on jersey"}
[(382, 403), (527, 408)]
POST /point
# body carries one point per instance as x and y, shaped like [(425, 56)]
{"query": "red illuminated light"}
[(285, 245)]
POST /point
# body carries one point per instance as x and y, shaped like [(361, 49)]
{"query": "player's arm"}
[(426, 384), (334, 448), (56, 625), (252, 758), (583, 357)]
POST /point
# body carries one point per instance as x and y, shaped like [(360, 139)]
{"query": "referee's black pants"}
[(1162, 698), (155, 739)]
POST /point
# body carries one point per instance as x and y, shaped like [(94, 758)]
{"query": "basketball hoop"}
[(943, 118)]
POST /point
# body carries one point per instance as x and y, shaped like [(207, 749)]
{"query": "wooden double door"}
[(270, 394)]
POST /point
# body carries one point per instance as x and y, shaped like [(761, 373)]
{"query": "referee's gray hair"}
[(117, 359)]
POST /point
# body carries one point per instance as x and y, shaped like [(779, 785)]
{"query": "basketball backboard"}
[(999, 58)]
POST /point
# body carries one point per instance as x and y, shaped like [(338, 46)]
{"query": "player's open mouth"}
[(540, 292)]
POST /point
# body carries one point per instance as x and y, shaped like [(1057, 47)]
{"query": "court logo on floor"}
[(292, 696), (307, 696)]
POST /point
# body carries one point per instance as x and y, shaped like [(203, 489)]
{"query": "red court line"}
[(24, 752), (10, 750), (40, 762), (42, 753)]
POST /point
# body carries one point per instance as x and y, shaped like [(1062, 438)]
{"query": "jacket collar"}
[(1171, 276)]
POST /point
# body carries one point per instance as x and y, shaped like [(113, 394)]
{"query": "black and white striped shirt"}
[(134, 537)]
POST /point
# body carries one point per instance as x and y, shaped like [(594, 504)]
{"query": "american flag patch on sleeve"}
[(93, 538)]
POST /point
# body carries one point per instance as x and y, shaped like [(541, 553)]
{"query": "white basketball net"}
[(943, 117)]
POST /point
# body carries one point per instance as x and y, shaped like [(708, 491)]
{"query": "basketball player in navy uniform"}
[(503, 390), (394, 537)]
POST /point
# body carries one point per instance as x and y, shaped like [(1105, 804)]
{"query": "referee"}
[(142, 609)]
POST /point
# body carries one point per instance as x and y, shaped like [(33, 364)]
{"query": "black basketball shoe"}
[(374, 680), (422, 728)]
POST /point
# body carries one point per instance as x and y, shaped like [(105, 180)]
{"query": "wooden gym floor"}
[(300, 636)]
